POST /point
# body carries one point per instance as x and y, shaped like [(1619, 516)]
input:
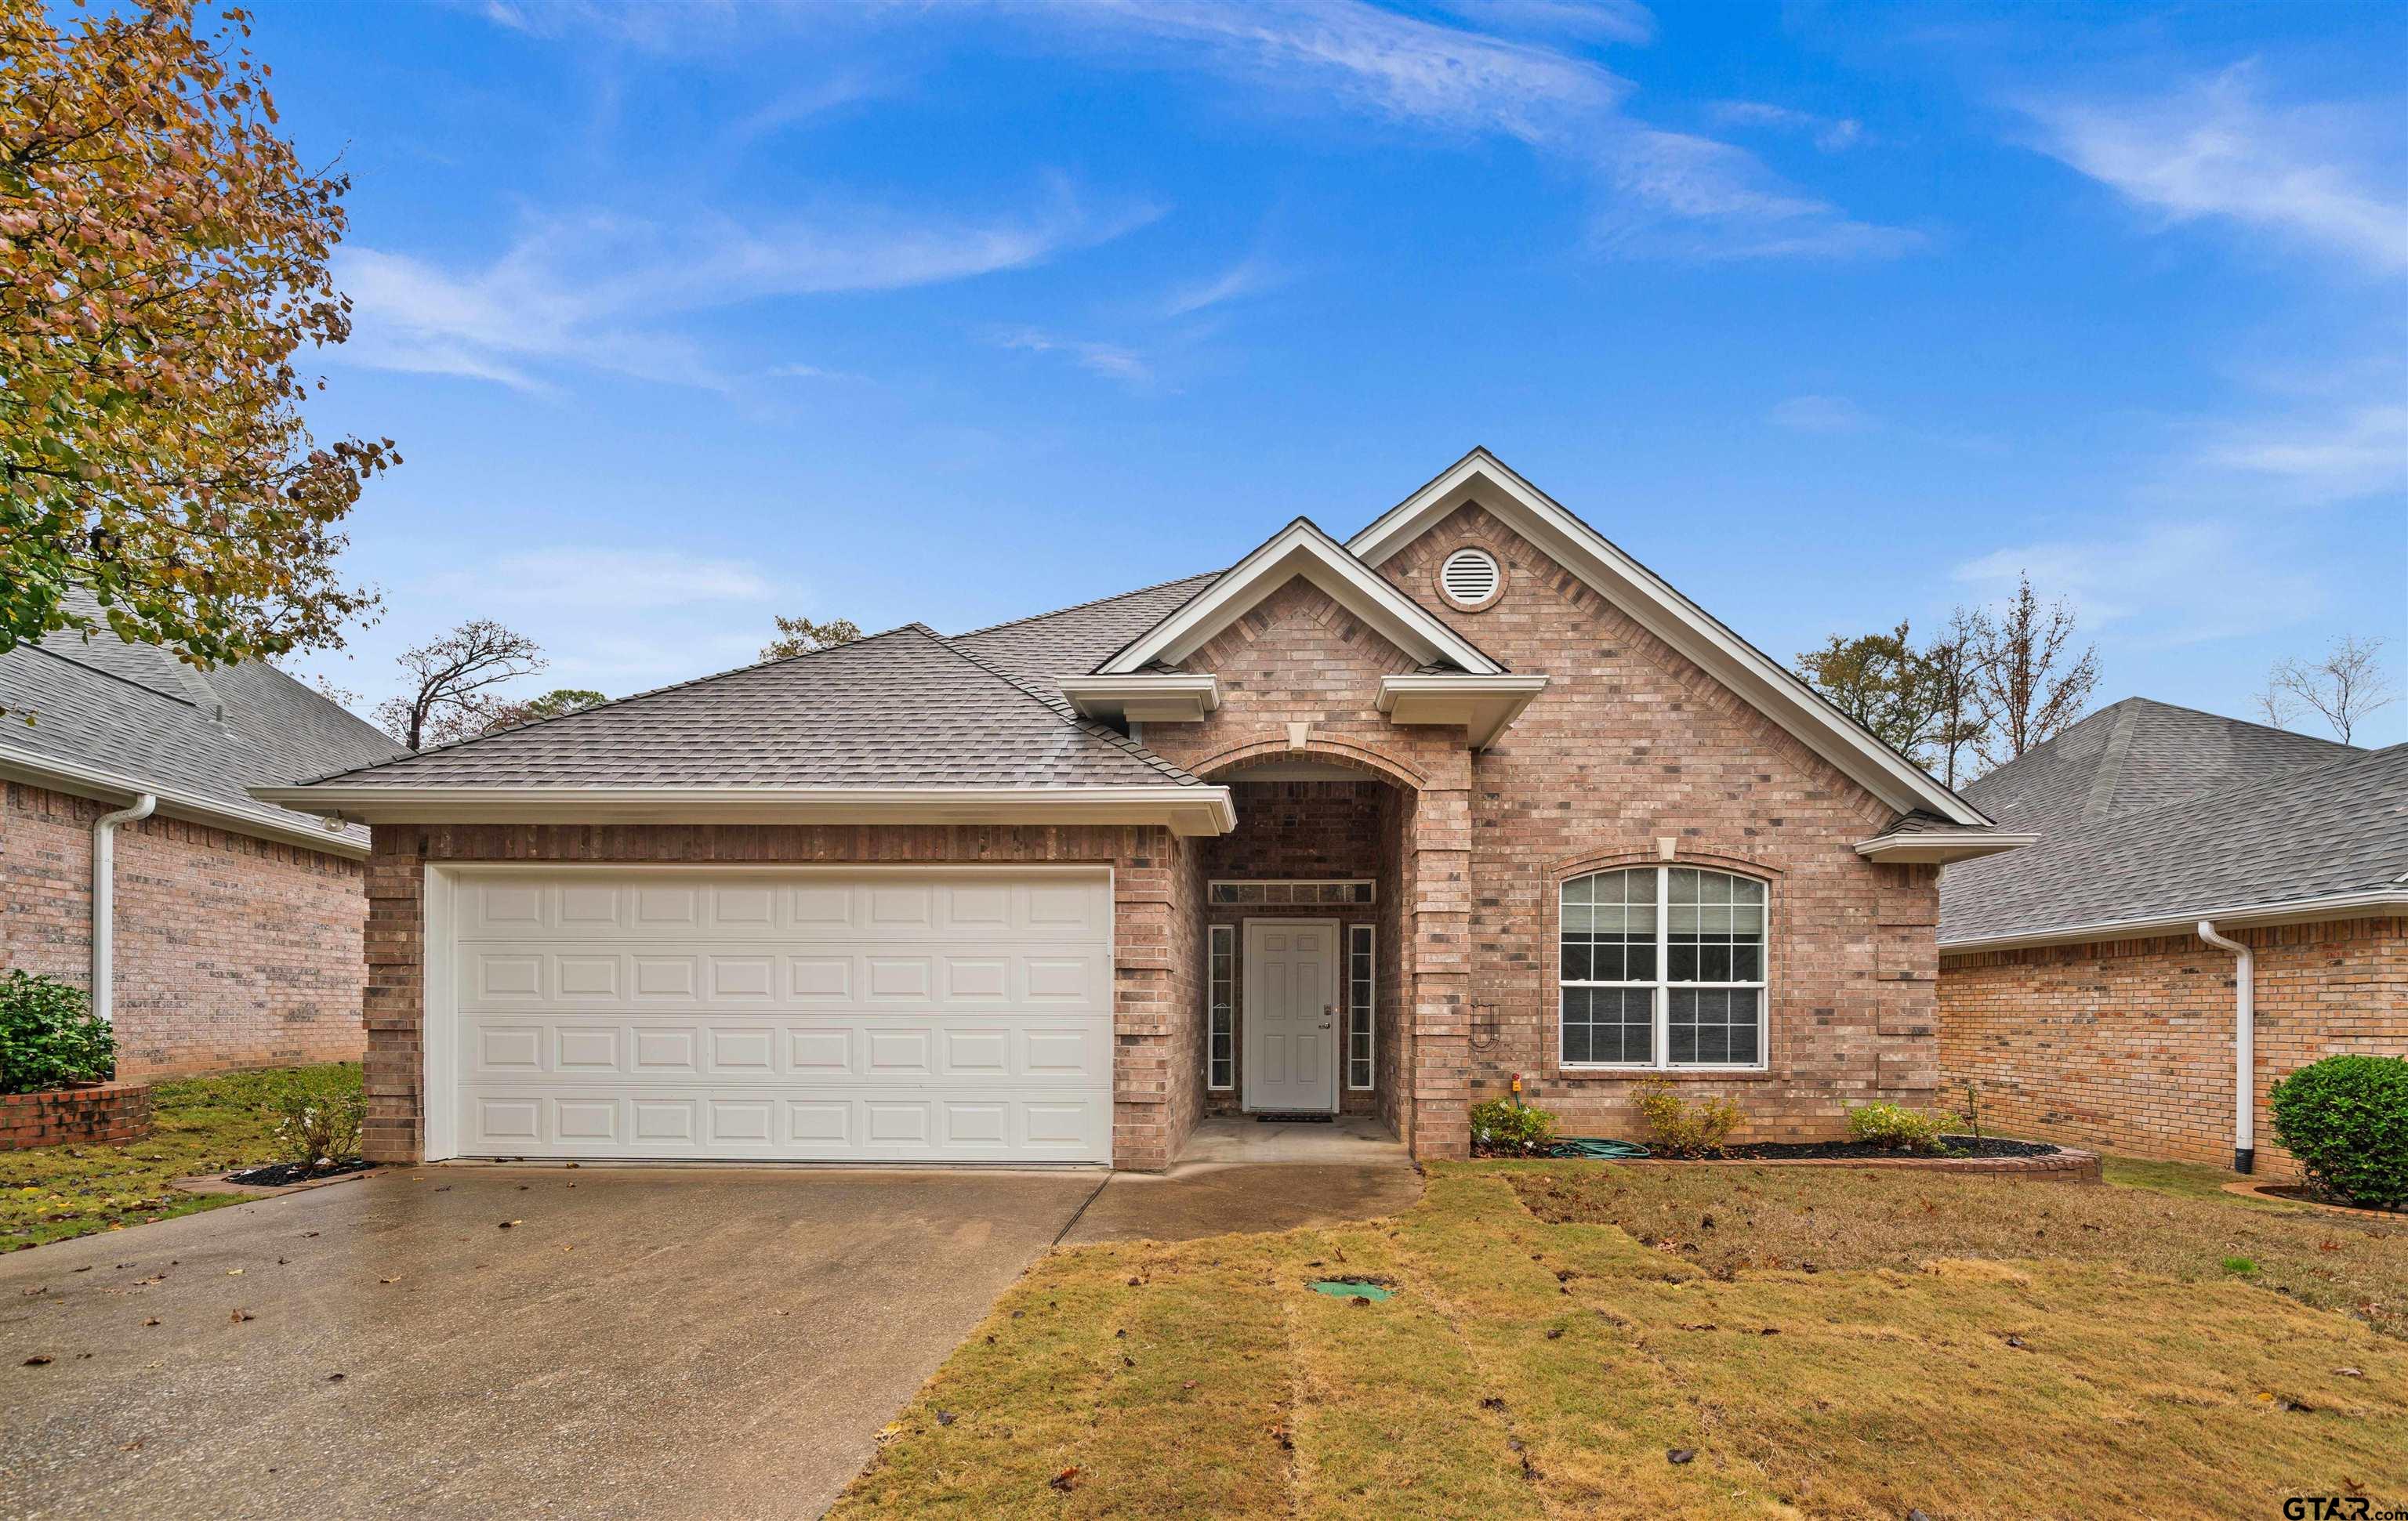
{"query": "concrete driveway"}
[(639, 1342)]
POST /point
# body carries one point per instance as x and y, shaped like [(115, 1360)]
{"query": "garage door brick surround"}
[(1155, 968)]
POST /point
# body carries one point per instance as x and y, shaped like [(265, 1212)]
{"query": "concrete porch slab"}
[(1244, 1139)]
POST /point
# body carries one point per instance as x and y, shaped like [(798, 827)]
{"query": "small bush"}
[(1677, 1128), (1897, 1127), (318, 1114), (49, 1035), (1502, 1128), (2345, 1118)]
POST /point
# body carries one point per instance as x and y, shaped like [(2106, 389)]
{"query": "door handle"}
[(1328, 1012)]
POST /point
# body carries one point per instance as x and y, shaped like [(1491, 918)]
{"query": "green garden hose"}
[(1590, 1145)]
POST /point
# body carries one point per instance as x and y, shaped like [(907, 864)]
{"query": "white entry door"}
[(850, 1014), (1291, 1014)]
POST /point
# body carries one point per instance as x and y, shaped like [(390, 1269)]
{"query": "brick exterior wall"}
[(2126, 1045), (232, 952), (101, 1115), (1157, 954), (1630, 743)]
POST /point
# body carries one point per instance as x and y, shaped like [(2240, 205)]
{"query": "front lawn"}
[(1964, 1346), (203, 1125)]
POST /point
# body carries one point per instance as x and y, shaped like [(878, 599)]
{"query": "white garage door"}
[(858, 1016)]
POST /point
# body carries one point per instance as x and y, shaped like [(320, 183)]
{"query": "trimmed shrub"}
[(1502, 1128), (2345, 1118), (1897, 1127), (1677, 1128), (49, 1035), (319, 1115)]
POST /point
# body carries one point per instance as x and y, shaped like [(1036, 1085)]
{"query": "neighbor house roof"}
[(115, 719), (907, 716), (2153, 816)]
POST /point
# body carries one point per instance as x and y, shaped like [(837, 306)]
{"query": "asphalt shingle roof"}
[(2147, 811), (1074, 641), (904, 708), (137, 711)]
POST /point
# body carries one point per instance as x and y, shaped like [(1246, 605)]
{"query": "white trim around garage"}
[(1190, 810), (439, 1073)]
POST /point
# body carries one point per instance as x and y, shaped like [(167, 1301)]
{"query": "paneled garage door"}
[(910, 1014)]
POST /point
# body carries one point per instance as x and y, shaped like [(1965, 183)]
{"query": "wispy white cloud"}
[(2161, 584), (1823, 415), (1602, 21), (1829, 132), (1250, 276), (2322, 174), (1112, 361), (597, 291), (1668, 193), (2362, 450), (596, 578)]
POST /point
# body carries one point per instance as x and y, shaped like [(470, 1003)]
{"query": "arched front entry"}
[(1306, 930)]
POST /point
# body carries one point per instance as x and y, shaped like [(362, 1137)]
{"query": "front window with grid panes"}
[(1663, 966)]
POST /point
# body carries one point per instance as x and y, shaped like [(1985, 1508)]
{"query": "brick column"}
[(396, 998), (1146, 1009), (1440, 961)]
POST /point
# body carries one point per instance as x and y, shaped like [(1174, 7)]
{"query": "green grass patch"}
[(201, 1125), (1543, 1357)]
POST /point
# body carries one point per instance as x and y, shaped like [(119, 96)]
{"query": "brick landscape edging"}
[(2067, 1166), (102, 1112)]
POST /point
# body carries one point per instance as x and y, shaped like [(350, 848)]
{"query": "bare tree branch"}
[(453, 677), (2346, 687)]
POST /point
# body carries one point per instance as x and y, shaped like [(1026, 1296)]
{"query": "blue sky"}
[(686, 314)]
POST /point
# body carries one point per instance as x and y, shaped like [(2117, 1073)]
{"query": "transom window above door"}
[(1661, 967), (1290, 894)]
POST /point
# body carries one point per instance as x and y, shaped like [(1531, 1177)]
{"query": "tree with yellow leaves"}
[(163, 260)]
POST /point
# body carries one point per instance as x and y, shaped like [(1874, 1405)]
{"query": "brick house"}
[(232, 927), (2210, 906), (1365, 826)]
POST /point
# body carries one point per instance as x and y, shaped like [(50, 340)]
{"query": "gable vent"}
[(1469, 577)]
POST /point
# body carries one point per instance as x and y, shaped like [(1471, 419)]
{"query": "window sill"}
[(1674, 1074)]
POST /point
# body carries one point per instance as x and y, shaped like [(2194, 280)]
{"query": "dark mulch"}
[(1959, 1146), (277, 1174)]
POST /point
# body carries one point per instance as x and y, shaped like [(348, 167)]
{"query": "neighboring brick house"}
[(235, 924), (1366, 826), (2077, 991)]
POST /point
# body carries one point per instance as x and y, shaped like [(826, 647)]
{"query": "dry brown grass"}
[(1544, 1367), (1728, 1219)]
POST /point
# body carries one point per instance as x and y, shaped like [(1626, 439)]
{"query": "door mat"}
[(1294, 1120)]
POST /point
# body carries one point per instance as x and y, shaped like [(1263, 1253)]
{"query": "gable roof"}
[(1301, 549), (2329, 839), (1074, 641), (903, 708), (2136, 755), (121, 718), (1770, 687)]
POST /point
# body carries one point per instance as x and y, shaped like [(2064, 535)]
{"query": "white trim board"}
[(1302, 550), (1186, 810), (117, 789), (1780, 695), (2373, 904)]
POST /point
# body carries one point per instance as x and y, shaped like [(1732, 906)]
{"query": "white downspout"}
[(2244, 1048), (103, 903)]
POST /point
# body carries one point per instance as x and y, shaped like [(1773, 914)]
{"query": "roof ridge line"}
[(615, 702), (2246, 723), (1062, 709), (35, 645), (1076, 606)]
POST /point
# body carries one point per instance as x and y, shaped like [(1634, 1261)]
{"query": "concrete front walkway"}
[(636, 1342), (1238, 1174)]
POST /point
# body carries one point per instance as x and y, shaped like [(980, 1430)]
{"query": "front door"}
[(1291, 1014)]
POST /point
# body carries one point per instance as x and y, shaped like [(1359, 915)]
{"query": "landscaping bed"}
[(285, 1174), (199, 1126), (1960, 1346), (1816, 1151)]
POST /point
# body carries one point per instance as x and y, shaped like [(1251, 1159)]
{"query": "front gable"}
[(1301, 552), (1422, 523)]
